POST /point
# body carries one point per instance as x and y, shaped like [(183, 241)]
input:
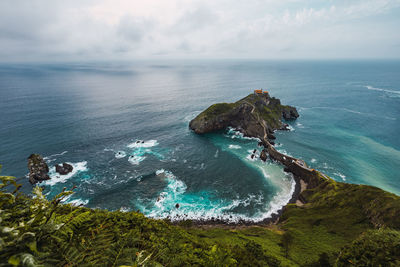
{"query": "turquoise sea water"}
[(92, 114)]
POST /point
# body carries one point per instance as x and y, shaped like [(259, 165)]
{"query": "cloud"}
[(47, 30)]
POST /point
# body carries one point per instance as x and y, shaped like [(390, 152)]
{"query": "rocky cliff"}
[(255, 115)]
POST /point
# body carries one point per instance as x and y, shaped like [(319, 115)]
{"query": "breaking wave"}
[(141, 143), (58, 178), (382, 90), (120, 154)]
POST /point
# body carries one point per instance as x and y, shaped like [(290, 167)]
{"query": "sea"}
[(124, 128)]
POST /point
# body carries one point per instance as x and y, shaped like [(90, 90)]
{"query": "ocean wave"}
[(141, 143), (175, 203), (52, 158), (136, 159), (313, 160), (58, 178), (369, 87), (142, 149), (120, 154), (341, 175), (282, 197), (235, 147), (124, 209), (78, 202), (250, 153)]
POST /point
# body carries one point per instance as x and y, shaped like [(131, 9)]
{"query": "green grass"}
[(217, 109)]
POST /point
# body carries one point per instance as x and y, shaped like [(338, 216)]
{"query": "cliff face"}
[(254, 115)]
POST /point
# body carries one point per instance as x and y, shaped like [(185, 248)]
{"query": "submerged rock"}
[(64, 169), (38, 169)]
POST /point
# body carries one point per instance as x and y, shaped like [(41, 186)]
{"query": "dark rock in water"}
[(252, 156), (64, 169), (38, 169), (254, 151), (177, 205), (263, 155), (260, 143), (272, 143)]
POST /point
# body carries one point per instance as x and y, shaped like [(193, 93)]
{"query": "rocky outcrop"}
[(38, 169), (64, 169), (263, 155), (290, 114), (255, 115)]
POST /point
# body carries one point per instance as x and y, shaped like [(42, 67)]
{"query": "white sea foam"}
[(141, 143), (200, 207), (341, 175), (120, 154), (291, 128), (158, 172), (78, 202), (234, 133), (216, 154), (382, 90), (58, 178), (124, 209), (250, 153), (299, 125), (136, 159), (313, 160), (234, 147), (286, 186)]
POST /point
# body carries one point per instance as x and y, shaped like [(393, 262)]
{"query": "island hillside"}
[(256, 115), (330, 223)]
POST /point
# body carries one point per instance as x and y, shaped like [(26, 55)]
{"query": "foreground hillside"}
[(339, 224)]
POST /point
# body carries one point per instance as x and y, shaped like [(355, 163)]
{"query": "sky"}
[(101, 30)]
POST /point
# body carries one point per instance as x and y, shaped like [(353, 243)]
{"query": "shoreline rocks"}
[(38, 169)]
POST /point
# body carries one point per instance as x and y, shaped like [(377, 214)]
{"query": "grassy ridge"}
[(341, 224)]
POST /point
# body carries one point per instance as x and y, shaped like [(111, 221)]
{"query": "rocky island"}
[(256, 115)]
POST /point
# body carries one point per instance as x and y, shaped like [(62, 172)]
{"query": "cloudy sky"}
[(51, 30)]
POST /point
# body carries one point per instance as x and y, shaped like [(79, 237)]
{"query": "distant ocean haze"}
[(124, 128)]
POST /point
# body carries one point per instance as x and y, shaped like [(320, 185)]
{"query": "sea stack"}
[(38, 169)]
